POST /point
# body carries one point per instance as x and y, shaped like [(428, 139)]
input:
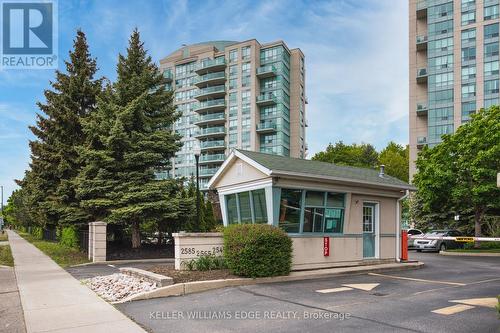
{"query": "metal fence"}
[(84, 241), (50, 235)]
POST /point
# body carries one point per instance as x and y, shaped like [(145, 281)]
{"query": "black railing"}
[(50, 235), (84, 241)]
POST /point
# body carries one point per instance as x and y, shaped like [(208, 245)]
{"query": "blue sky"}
[(356, 60)]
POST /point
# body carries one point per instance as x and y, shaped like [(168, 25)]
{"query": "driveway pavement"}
[(93, 270), (450, 294)]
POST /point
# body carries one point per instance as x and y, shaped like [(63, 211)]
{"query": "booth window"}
[(232, 209), (290, 206), (323, 211), (246, 207), (259, 206)]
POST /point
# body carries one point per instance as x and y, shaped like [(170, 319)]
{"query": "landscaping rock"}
[(116, 287)]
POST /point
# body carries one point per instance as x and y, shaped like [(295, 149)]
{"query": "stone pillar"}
[(97, 241), (189, 246)]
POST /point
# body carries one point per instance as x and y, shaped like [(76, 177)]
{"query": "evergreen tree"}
[(48, 186), (210, 222), (132, 139)]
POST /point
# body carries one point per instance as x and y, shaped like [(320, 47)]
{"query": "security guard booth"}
[(335, 215)]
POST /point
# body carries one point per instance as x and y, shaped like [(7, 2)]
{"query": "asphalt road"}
[(397, 302)]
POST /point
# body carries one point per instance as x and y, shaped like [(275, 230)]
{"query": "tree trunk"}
[(478, 216), (136, 235)]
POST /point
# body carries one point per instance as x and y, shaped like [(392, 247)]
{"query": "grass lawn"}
[(64, 256), (475, 250), (3, 236), (6, 256)]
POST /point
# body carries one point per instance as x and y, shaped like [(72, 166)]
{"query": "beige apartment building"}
[(454, 66), (243, 95)]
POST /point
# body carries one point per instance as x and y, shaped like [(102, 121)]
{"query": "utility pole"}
[(1, 204)]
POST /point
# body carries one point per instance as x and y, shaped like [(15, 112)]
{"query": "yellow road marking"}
[(489, 302), (334, 290), (362, 286), (418, 280), (449, 310)]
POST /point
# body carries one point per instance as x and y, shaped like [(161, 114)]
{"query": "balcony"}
[(421, 141), (208, 172), (267, 126), (168, 75), (422, 75), (421, 43), (211, 118), (421, 109), (212, 158), (422, 9), (210, 132), (266, 71), (211, 92), (212, 145), (266, 99), (211, 65), (210, 106), (216, 78)]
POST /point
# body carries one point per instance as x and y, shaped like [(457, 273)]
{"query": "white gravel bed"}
[(116, 287)]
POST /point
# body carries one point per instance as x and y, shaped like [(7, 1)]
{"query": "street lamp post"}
[(197, 159)]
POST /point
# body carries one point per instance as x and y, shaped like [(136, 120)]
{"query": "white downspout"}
[(398, 225)]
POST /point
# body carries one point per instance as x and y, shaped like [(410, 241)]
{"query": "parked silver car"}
[(438, 244), (412, 233)]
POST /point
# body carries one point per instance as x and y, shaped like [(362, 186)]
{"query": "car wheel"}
[(442, 247)]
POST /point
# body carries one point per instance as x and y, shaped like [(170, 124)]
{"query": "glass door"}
[(369, 234)]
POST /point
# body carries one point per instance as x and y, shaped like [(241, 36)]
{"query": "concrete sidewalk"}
[(53, 301)]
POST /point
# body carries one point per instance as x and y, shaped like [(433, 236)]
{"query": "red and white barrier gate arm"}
[(459, 238)]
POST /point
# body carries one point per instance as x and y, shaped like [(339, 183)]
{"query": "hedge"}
[(37, 232), (257, 250), (69, 237)]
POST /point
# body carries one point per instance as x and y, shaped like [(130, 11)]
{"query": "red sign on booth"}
[(326, 246)]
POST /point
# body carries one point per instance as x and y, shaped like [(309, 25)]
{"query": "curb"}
[(470, 254), (199, 286), (131, 261)]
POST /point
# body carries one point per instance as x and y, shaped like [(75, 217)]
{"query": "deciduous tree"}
[(458, 176)]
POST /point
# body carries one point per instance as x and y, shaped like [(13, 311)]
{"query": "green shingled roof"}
[(281, 164)]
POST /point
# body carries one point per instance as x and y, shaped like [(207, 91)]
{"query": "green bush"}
[(37, 232), (257, 250), (206, 263), (69, 237)]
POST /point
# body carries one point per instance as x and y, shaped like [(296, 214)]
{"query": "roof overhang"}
[(235, 154), (289, 174)]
